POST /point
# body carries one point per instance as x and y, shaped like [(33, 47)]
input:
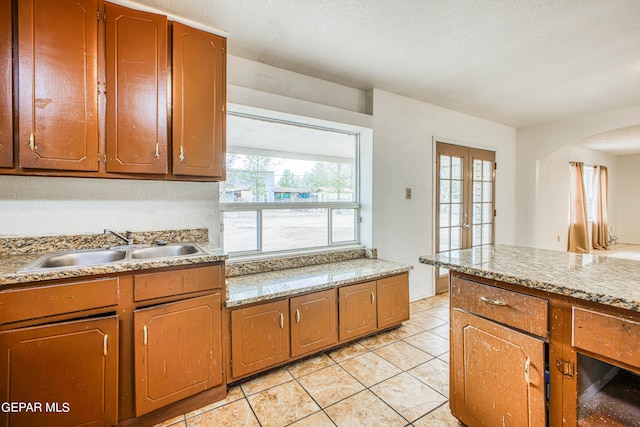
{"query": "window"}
[(289, 186), (589, 189)]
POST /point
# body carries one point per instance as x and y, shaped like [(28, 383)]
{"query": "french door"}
[(465, 209)]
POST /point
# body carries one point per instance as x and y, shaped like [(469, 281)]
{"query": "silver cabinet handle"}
[(145, 335), (373, 298), (492, 301), (297, 316), (32, 142), (181, 153), (104, 345), (157, 151), (527, 365), (281, 321)]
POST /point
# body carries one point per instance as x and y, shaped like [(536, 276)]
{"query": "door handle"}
[(297, 316), (281, 321), (373, 298)]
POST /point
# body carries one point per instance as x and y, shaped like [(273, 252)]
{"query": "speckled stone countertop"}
[(610, 281), (13, 262), (252, 288)]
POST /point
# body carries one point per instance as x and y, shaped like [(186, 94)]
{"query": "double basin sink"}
[(96, 257)]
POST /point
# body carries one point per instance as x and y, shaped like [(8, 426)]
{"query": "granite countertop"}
[(610, 281), (12, 264), (276, 284)]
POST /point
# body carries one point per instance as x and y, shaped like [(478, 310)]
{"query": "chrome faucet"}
[(128, 237)]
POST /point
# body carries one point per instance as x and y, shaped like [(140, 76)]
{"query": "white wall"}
[(403, 157), (536, 142), (628, 202), (553, 193), (35, 206)]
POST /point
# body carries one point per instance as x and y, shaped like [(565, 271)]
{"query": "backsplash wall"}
[(40, 206)]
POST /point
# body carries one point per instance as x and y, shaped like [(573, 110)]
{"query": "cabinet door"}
[(259, 337), (6, 86), (393, 300), (199, 85), (357, 310), (136, 51), (178, 351), (314, 322), (58, 105), (497, 374), (69, 369)]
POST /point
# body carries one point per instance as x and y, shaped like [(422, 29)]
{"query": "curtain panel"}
[(578, 231), (600, 226)]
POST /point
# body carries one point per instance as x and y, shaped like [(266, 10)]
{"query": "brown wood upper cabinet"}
[(93, 90), (6, 86), (57, 62), (136, 61), (199, 81)]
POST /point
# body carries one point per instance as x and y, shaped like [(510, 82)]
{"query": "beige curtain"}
[(578, 233), (600, 227)]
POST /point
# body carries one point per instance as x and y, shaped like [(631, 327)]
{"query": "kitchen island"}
[(540, 336)]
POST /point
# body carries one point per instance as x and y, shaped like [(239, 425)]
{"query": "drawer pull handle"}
[(104, 345), (157, 151), (373, 298), (297, 316), (145, 335), (181, 153), (32, 142), (527, 365), (281, 321), (492, 301)]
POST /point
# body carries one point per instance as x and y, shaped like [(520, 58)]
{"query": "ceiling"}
[(517, 62)]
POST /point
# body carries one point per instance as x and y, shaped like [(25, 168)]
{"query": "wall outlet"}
[(407, 193)]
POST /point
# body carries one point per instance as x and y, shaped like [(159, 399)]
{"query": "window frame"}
[(260, 207)]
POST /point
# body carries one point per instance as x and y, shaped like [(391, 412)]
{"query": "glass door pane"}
[(465, 201)]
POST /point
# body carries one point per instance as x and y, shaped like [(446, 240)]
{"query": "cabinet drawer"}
[(610, 336), (32, 303), (520, 311), (177, 282)]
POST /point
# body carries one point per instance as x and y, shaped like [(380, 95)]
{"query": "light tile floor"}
[(396, 378), (621, 250)]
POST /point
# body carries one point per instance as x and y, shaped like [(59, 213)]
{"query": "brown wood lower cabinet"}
[(499, 374), (178, 351), (98, 351), (357, 310), (314, 322), (393, 300), (68, 372), (259, 337), (262, 336)]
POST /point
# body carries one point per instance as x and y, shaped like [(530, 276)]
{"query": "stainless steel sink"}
[(165, 251), (95, 257), (80, 258)]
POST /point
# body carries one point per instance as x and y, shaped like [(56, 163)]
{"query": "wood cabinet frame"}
[(177, 284), (105, 145), (281, 331), (562, 357), (6, 84)]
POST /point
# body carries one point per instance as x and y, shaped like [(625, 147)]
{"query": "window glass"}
[(312, 170)]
